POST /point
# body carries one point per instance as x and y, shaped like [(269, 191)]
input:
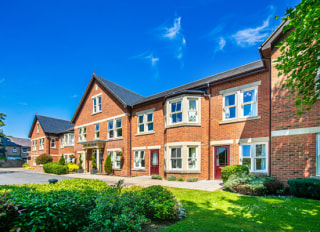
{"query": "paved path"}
[(24, 176)]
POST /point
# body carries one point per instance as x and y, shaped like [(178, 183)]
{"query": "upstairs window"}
[(14, 150), (145, 122), (82, 134), (67, 140), (240, 104), (115, 128), (176, 112), (53, 143), (96, 104), (24, 150), (62, 142), (182, 110), (41, 144), (34, 145), (37, 127), (96, 131)]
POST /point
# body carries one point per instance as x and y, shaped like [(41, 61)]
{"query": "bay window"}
[(192, 158), (176, 112), (254, 156), (67, 140), (176, 158)]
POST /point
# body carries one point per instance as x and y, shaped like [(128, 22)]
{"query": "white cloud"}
[(153, 59), (222, 43), (2, 80), (252, 36), (175, 34)]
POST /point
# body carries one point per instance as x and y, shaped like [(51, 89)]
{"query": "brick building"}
[(238, 116)]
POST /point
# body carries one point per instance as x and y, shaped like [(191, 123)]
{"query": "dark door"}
[(154, 158), (222, 159)]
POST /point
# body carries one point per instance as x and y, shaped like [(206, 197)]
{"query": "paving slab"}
[(24, 176)]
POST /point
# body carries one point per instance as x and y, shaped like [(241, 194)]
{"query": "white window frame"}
[(239, 104), (253, 156), (14, 149), (139, 159), (34, 145), (97, 131), (41, 144), (37, 127), (181, 153), (66, 140), (117, 159), (82, 134), (53, 143), (68, 159), (114, 128), (196, 158), (225, 108), (96, 105), (145, 122), (185, 110), (34, 161)]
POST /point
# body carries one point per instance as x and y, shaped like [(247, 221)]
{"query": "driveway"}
[(27, 176)]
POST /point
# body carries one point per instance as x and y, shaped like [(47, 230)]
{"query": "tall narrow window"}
[(139, 161), (96, 132), (176, 112), (111, 156), (37, 127), (82, 134), (249, 101), (229, 108), (41, 144), (318, 154), (192, 113), (53, 143), (14, 150), (119, 127), (71, 139), (96, 104), (176, 159), (110, 129), (34, 145), (118, 161), (192, 157), (62, 142)]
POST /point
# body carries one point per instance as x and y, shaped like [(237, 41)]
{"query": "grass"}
[(224, 211)]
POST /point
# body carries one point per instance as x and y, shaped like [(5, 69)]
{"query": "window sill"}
[(183, 124), (183, 171), (53, 148), (116, 169), (41, 149), (146, 133), (239, 120), (139, 169), (96, 113), (113, 139)]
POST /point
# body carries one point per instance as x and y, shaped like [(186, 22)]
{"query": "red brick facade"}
[(285, 157)]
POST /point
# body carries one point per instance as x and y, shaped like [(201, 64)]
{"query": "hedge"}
[(307, 188), (43, 159), (55, 168), (227, 171)]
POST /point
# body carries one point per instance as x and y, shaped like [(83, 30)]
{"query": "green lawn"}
[(224, 211)]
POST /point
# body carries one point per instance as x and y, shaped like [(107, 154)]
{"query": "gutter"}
[(209, 130)]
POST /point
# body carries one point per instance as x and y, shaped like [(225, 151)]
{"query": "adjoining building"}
[(16, 148), (240, 116)]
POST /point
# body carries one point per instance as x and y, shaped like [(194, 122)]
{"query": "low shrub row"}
[(156, 177), (307, 188), (43, 159), (55, 168), (85, 205), (227, 171), (174, 178)]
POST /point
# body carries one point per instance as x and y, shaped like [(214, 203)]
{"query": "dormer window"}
[(96, 104)]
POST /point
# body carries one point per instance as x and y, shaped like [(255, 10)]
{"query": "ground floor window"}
[(254, 156), (139, 159), (115, 158), (176, 158), (69, 158), (34, 161)]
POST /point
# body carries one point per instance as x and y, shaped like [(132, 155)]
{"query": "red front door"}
[(154, 162), (221, 159)]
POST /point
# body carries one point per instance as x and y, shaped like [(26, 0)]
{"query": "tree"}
[(62, 161), (108, 165), (2, 124), (300, 54), (94, 162)]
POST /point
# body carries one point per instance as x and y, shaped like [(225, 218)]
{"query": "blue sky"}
[(49, 49)]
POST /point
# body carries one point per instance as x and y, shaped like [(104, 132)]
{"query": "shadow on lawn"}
[(243, 213)]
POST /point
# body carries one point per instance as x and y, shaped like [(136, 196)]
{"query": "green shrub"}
[(43, 159), (62, 161), (227, 171), (249, 184), (108, 165), (3, 158), (94, 162), (117, 212), (64, 206), (192, 179), (159, 177), (172, 178), (25, 165), (274, 187), (55, 168), (307, 188), (156, 177), (180, 179), (80, 163), (159, 203), (72, 167)]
